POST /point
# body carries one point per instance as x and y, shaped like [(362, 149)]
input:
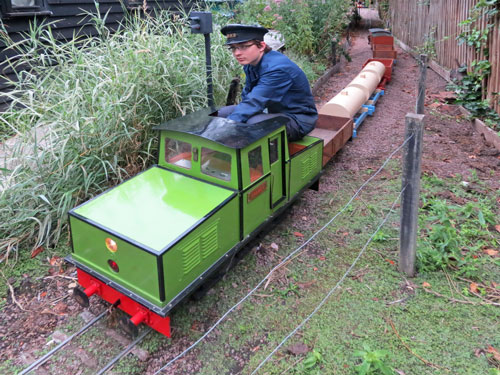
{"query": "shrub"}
[(454, 236), (306, 26)]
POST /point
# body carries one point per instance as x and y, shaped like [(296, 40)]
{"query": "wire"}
[(323, 301), (188, 349)]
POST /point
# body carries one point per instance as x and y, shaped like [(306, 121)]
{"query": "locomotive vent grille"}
[(191, 255), (309, 163), (200, 247), (209, 240)]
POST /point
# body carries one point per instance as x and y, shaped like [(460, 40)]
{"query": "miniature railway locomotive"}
[(149, 242)]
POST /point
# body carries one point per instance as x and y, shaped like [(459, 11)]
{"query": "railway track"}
[(85, 328)]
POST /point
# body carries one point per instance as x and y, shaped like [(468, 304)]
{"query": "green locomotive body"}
[(149, 242)]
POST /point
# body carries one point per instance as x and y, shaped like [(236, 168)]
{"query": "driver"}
[(274, 86)]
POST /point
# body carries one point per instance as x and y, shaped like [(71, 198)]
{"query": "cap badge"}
[(232, 35)]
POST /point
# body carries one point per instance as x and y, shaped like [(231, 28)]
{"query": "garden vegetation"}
[(83, 112)]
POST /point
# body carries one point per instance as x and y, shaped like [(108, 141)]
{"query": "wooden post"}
[(421, 85), (334, 51), (410, 197)]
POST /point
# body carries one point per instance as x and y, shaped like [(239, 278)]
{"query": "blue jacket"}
[(278, 84)]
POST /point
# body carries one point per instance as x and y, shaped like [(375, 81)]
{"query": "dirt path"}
[(451, 148)]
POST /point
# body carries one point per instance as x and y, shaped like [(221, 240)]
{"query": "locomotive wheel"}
[(80, 297), (128, 327)]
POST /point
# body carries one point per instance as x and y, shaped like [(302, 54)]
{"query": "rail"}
[(90, 324), (50, 354)]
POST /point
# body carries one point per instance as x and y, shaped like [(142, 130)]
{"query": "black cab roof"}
[(206, 124)]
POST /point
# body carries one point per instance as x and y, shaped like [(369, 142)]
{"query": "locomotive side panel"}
[(305, 165), (200, 250)]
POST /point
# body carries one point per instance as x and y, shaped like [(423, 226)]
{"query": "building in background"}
[(68, 18)]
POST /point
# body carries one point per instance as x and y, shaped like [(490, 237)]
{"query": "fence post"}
[(410, 197), (421, 85), (334, 43)]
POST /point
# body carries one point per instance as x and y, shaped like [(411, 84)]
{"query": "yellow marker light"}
[(111, 245)]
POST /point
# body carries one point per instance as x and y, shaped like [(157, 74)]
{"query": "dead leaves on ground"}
[(492, 355), (491, 252), (36, 251), (487, 292), (298, 349)]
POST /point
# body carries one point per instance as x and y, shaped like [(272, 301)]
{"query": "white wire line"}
[(188, 349), (323, 301)]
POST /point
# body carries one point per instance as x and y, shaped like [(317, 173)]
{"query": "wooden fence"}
[(420, 23)]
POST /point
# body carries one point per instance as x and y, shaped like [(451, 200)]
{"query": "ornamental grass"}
[(82, 114)]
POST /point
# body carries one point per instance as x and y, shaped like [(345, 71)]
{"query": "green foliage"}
[(312, 70), (374, 362), (256, 12), (313, 359), (471, 89), (455, 235), (383, 9), (86, 123), (306, 26), (381, 236), (291, 289), (429, 46), (469, 92)]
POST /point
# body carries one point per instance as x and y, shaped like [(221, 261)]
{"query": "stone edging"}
[(489, 135)]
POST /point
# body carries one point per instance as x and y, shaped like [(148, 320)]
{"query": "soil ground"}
[(451, 148)]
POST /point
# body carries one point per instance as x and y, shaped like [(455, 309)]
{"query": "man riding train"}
[(275, 85)]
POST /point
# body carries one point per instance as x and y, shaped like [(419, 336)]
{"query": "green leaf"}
[(480, 217), (309, 362), (364, 368), (359, 353), (381, 353)]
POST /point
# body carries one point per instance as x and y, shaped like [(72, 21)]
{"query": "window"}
[(23, 3), (216, 164), (255, 164), (24, 8), (178, 153), (273, 150)]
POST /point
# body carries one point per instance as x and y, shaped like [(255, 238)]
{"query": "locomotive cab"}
[(149, 242)]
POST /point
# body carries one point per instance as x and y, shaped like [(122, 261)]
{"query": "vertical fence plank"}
[(411, 20)]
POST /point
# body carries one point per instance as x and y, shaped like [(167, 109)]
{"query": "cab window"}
[(255, 164), (178, 153), (23, 3), (273, 150), (216, 164)]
